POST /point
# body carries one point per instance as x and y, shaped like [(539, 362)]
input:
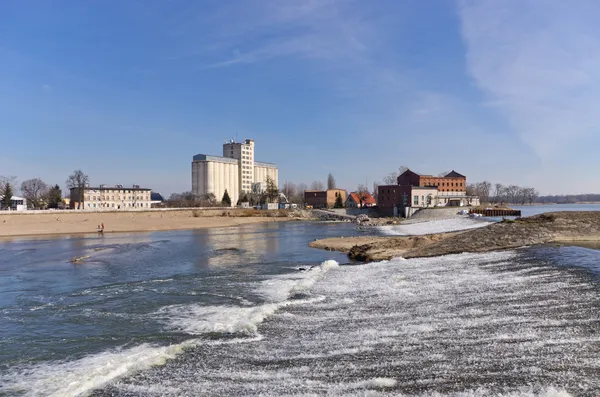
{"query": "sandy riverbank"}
[(557, 227), (56, 223)]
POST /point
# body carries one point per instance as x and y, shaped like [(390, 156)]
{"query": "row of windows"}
[(94, 198), (442, 184), (126, 205), (108, 191)]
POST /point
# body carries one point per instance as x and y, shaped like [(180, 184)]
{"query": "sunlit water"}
[(227, 312)]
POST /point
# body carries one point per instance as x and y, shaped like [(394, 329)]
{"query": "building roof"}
[(265, 164), (206, 157), (367, 198), (454, 174), (113, 188), (154, 196)]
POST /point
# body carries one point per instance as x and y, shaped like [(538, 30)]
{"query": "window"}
[(416, 200)]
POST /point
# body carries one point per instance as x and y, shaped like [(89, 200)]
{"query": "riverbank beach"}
[(74, 222)]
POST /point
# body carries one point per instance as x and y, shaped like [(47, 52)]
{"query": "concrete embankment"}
[(541, 229)]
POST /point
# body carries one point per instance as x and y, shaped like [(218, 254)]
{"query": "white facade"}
[(111, 198), (235, 172), (17, 203), (211, 174)]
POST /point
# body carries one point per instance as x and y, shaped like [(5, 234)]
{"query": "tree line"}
[(569, 199), (189, 199), (37, 193), (501, 194)]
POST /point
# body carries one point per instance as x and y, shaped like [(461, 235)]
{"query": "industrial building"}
[(415, 191), (236, 171)]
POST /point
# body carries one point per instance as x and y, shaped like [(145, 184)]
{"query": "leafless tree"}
[(471, 190), (317, 185), (498, 189), (391, 178), (35, 191), (78, 181), (330, 182), (289, 190), (300, 189), (375, 189), (362, 192), (483, 191)]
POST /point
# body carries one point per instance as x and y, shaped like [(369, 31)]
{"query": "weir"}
[(495, 212)]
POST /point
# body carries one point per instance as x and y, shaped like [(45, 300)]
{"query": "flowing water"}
[(253, 311)]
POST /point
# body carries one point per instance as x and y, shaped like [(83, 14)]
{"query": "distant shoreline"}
[(50, 223)]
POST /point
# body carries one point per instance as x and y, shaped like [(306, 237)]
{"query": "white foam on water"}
[(474, 323), (283, 287), (432, 227), (521, 392), (74, 378), (375, 383), (79, 377)]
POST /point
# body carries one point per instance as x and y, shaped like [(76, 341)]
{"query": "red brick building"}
[(421, 191), (451, 182)]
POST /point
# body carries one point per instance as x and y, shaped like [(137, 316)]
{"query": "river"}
[(254, 311)]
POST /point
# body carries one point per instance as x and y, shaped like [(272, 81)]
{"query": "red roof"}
[(367, 198)]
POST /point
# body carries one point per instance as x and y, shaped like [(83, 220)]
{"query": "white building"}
[(236, 171), (17, 203), (116, 197)]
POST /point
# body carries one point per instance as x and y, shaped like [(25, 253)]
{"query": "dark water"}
[(531, 210), (226, 312)]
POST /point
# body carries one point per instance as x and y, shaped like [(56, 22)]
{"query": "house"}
[(415, 191), (358, 200), (324, 198), (17, 203)]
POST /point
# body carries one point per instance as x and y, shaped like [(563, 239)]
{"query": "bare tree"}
[(375, 189), (362, 192), (289, 190), (330, 182), (35, 191), (498, 188), (483, 191), (300, 189), (471, 190), (391, 178), (317, 185), (78, 181)]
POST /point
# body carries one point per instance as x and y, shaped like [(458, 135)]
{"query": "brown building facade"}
[(422, 191), (325, 198), (452, 182)]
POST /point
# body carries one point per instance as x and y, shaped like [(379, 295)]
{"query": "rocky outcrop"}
[(540, 229)]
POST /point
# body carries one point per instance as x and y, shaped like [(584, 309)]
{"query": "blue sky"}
[(129, 91)]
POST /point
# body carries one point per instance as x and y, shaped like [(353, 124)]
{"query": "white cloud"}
[(538, 63)]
